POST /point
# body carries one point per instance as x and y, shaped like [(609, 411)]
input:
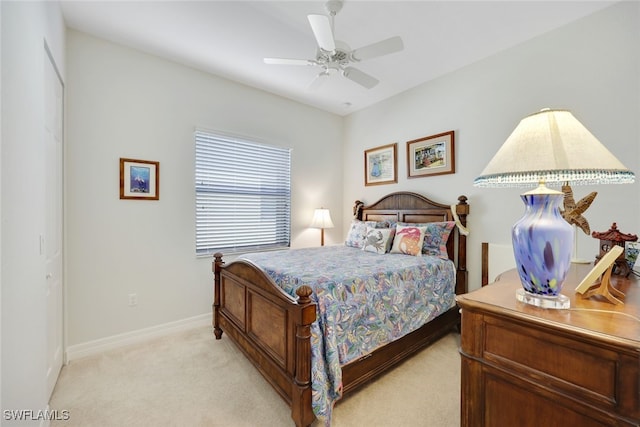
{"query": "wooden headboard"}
[(413, 208)]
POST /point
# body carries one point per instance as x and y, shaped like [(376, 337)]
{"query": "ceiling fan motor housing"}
[(340, 56)]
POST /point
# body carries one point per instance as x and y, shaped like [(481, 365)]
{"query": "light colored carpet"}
[(190, 379)]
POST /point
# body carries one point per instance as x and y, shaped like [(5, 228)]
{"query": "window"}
[(243, 195)]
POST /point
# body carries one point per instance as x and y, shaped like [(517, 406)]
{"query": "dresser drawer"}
[(569, 364)]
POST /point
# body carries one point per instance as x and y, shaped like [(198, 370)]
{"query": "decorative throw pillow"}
[(357, 233), (387, 223), (378, 240), (408, 240), (436, 237)]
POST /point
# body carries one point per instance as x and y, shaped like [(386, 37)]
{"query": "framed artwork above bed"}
[(381, 165), (431, 155)]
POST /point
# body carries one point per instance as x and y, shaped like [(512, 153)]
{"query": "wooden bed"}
[(273, 329)]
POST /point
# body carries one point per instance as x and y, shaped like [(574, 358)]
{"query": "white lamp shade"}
[(552, 146), (321, 219)]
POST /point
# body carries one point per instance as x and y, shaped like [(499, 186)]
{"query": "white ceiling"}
[(231, 38)]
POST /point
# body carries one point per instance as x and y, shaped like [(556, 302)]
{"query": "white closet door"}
[(51, 241)]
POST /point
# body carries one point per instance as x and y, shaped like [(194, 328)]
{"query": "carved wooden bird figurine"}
[(573, 211)]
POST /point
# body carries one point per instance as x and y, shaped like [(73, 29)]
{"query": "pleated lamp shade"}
[(321, 219)]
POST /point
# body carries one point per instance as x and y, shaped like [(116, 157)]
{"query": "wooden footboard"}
[(274, 330), (271, 328)]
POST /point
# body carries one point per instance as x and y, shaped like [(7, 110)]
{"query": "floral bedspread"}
[(365, 300)]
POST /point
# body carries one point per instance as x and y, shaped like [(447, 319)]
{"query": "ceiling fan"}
[(334, 56)]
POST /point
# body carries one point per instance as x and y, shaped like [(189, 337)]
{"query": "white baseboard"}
[(91, 348)]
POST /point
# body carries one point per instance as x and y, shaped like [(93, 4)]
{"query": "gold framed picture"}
[(381, 165), (431, 155), (139, 179)]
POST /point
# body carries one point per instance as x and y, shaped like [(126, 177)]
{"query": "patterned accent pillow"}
[(408, 240), (357, 233), (436, 237), (378, 240), (387, 223)]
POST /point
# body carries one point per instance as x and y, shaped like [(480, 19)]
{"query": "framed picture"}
[(432, 155), (381, 165), (139, 179)]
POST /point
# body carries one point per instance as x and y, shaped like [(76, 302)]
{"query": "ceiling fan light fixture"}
[(334, 55), (319, 80)]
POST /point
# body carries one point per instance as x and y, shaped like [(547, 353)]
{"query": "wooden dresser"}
[(527, 366)]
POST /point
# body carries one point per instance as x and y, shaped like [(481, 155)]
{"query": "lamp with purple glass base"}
[(548, 147)]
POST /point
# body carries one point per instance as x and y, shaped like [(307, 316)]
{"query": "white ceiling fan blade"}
[(360, 77), (287, 61), (384, 47), (321, 28), (318, 81)]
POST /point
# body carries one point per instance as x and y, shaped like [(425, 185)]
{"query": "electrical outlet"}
[(133, 300)]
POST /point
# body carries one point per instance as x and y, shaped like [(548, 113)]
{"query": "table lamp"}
[(321, 219), (548, 147)]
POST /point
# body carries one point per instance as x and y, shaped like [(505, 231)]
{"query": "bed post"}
[(217, 266), (462, 210), (357, 209), (301, 388)]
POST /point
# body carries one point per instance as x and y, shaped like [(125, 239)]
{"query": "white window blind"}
[(243, 195)]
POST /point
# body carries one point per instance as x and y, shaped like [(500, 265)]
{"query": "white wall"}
[(25, 26), (124, 103), (591, 67)]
